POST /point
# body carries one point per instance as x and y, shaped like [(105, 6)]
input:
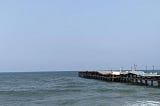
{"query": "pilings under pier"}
[(123, 78)]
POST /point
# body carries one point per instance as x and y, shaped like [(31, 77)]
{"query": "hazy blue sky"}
[(46, 35)]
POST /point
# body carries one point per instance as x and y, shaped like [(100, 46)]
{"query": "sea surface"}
[(67, 89)]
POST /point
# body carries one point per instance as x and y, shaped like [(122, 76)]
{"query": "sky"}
[(73, 35)]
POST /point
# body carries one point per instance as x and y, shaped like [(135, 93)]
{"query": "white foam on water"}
[(143, 103)]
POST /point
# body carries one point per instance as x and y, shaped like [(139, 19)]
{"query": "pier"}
[(130, 77)]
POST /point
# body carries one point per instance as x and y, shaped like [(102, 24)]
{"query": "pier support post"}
[(146, 83), (128, 80), (159, 83), (132, 80), (120, 79), (136, 81), (151, 82), (113, 78), (141, 81)]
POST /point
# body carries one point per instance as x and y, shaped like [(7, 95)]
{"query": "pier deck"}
[(136, 77)]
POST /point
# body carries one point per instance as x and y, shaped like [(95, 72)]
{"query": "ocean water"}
[(67, 89)]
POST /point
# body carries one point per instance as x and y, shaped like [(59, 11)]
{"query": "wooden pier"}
[(126, 77)]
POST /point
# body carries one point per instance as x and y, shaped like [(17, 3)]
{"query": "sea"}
[(67, 89)]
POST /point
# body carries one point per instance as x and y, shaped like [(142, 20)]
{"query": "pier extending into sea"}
[(130, 77)]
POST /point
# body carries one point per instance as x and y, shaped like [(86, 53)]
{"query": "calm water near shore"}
[(67, 89)]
